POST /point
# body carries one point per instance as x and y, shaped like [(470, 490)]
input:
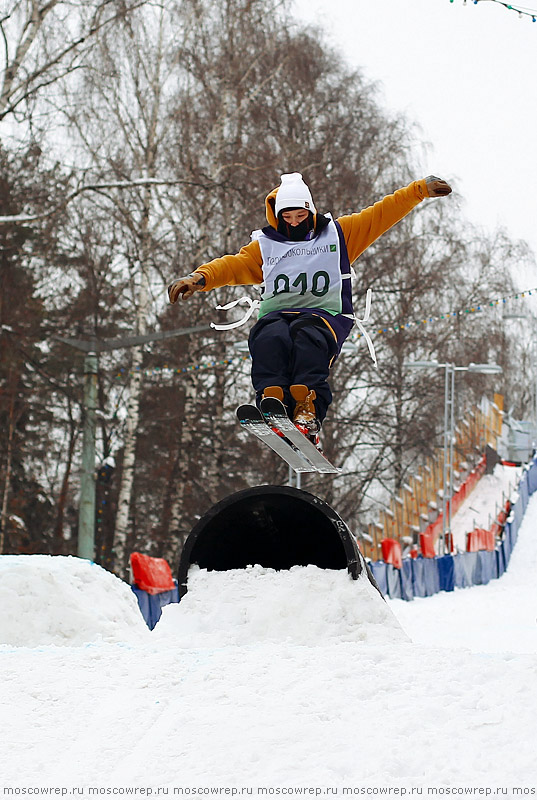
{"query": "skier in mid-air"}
[(302, 260)]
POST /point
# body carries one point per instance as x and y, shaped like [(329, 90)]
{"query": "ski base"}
[(273, 427), (275, 414), (252, 420)]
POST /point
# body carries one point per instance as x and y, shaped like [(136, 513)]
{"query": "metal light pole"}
[(86, 513), (449, 429)]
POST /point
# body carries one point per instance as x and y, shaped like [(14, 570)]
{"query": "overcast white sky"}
[(467, 75)]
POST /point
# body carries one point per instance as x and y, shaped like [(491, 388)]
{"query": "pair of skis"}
[(273, 427)]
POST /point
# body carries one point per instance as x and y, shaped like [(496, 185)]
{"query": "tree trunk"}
[(7, 477), (58, 537), (177, 530), (143, 308), (120, 547)]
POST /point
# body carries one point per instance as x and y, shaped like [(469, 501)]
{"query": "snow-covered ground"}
[(267, 683)]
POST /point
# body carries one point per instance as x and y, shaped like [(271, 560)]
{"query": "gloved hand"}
[(437, 187), (185, 286)]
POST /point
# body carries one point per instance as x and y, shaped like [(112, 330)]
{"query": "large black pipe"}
[(273, 526)]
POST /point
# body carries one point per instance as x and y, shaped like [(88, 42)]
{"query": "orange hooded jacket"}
[(360, 230)]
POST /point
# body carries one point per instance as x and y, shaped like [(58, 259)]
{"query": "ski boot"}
[(277, 392), (304, 416)]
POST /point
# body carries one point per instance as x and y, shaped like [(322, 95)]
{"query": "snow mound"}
[(62, 600), (304, 605)]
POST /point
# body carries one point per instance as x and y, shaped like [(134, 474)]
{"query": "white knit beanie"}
[(293, 193)]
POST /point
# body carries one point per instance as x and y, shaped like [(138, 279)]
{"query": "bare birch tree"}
[(44, 41), (122, 131)]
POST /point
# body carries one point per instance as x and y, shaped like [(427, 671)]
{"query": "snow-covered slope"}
[(281, 681)]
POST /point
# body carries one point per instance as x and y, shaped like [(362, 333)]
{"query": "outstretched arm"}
[(242, 269), (362, 229)]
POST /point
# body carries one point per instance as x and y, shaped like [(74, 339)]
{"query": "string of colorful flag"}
[(522, 11), (168, 372), (451, 314)]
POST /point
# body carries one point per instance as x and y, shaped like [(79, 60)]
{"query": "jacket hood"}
[(270, 208)]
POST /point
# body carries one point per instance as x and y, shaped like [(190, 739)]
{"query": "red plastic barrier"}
[(434, 529), (488, 540), (427, 545), (480, 539), (391, 552), (472, 541), (152, 575), (504, 513)]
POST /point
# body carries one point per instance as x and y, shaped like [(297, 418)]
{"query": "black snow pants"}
[(289, 348)]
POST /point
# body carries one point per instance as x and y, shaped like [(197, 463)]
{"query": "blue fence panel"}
[(493, 562), (515, 527), (430, 574), (151, 605), (393, 577), (506, 553), (378, 568), (500, 560), (517, 515), (446, 573), (460, 573), (479, 576), (470, 566), (486, 567), (407, 588), (507, 542), (532, 477), (143, 603), (519, 508), (418, 577), (464, 570), (523, 490), (494, 565)]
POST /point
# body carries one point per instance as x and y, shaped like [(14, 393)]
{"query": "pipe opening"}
[(276, 527)]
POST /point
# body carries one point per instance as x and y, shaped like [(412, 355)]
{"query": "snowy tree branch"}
[(95, 187)]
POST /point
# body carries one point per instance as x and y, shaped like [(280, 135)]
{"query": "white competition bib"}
[(301, 274)]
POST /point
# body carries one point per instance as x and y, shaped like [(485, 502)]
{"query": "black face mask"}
[(297, 233)]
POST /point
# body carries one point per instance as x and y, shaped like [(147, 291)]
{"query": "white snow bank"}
[(304, 605), (62, 600)]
